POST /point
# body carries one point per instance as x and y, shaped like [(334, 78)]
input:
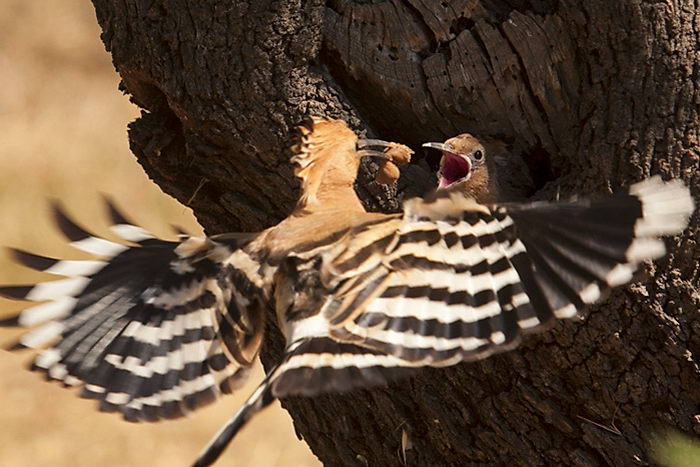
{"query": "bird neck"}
[(481, 186)]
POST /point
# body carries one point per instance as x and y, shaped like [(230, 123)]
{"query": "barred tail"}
[(261, 398), (311, 367)]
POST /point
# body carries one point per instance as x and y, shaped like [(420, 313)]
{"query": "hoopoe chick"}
[(467, 167)]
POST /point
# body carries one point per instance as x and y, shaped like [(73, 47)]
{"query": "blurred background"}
[(63, 136)]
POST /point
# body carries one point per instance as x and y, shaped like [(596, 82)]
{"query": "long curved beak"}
[(439, 146), (364, 145)]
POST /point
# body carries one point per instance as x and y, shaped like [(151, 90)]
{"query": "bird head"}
[(327, 156), (464, 167), (462, 158)]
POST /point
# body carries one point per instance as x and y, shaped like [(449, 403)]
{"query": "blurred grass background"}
[(63, 136)]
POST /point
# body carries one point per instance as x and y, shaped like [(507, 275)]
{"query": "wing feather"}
[(458, 280), (152, 330)]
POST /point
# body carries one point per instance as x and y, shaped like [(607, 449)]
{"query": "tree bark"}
[(591, 94)]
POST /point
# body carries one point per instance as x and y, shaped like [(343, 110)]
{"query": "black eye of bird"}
[(478, 155)]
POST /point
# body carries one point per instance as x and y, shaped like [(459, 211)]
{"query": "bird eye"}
[(478, 155)]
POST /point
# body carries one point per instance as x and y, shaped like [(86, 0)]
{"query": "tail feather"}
[(320, 365), (261, 398), (311, 367)]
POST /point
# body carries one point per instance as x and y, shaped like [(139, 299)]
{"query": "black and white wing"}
[(451, 281), (463, 280), (153, 330)]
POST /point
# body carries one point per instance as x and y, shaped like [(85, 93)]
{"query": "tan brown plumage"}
[(157, 329), (467, 167), (499, 176)]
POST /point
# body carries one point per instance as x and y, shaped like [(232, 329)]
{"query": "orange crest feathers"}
[(322, 143)]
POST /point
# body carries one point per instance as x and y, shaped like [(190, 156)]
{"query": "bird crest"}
[(325, 152)]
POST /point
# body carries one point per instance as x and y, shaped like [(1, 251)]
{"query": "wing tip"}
[(15, 346), (16, 292), (66, 225), (11, 322), (666, 206), (31, 260), (115, 215)]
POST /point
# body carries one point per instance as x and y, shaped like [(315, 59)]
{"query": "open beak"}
[(454, 167), (364, 148)]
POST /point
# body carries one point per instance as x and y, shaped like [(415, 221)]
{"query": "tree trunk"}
[(591, 94)]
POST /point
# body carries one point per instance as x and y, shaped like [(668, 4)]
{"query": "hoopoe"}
[(483, 169), (465, 167), (157, 329)]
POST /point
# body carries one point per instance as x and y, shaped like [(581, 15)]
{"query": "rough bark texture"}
[(592, 94)]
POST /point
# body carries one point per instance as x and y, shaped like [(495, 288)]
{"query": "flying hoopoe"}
[(157, 329)]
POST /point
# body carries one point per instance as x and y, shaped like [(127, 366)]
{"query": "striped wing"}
[(152, 330), (461, 281), (450, 281)]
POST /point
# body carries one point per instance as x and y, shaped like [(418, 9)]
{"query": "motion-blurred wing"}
[(462, 280), (153, 330)]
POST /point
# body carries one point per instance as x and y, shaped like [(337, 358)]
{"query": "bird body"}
[(159, 328)]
